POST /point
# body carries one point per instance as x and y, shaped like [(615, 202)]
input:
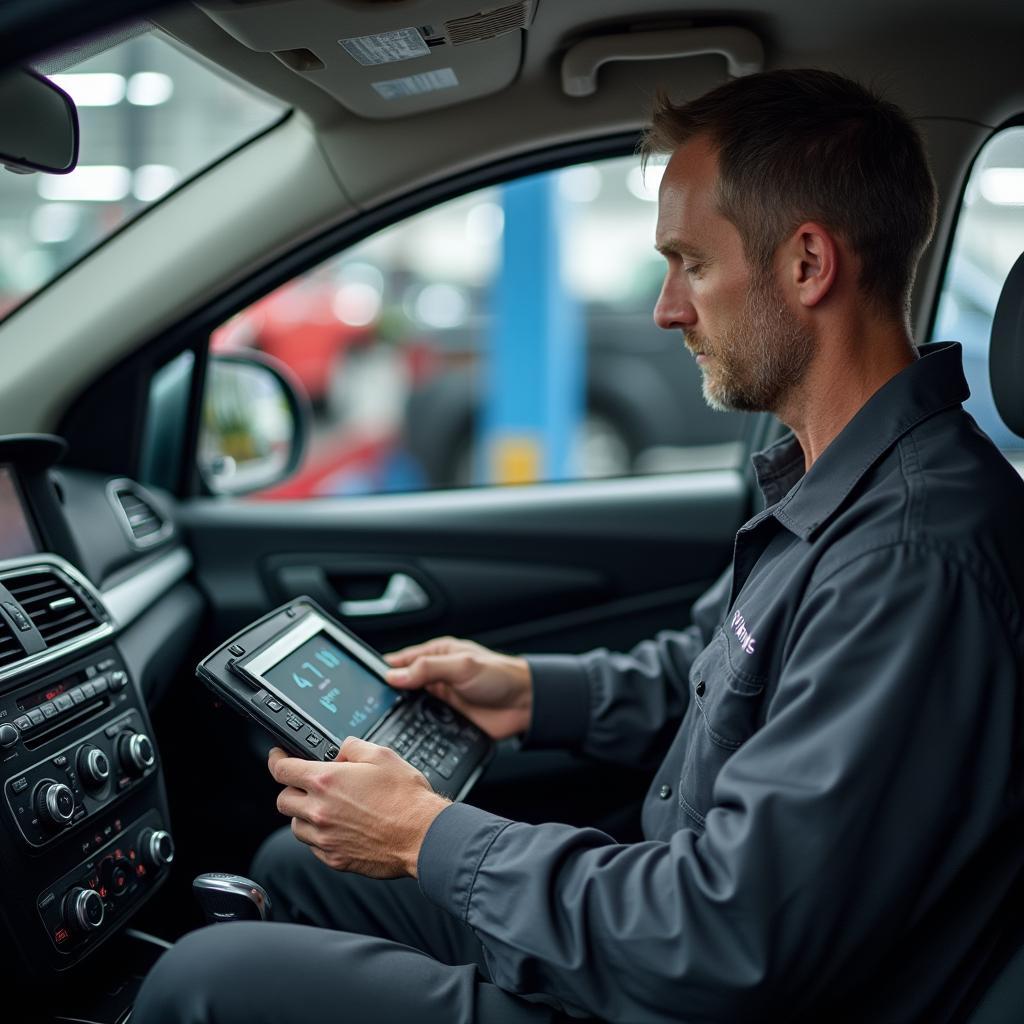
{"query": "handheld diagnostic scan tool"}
[(310, 682)]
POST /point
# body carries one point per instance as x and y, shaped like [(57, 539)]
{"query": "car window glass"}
[(503, 337), (989, 239), (151, 117)]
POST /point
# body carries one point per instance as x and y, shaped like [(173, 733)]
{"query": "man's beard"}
[(759, 358)]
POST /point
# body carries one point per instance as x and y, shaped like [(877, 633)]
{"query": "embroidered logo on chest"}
[(745, 637)]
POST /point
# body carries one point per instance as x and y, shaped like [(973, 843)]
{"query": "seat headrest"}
[(1006, 351)]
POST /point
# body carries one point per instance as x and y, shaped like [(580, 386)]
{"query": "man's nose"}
[(674, 310)]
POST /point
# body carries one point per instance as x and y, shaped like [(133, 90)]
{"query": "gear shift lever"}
[(226, 897)]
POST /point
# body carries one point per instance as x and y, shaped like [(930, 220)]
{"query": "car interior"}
[(136, 535)]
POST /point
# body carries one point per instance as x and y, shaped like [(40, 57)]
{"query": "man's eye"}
[(694, 269)]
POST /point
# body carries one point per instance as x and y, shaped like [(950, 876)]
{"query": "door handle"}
[(401, 595)]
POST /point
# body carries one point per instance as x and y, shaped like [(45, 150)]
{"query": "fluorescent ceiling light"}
[(1003, 186), (55, 222), (99, 183), (94, 89), (644, 184), (150, 88), (151, 181)]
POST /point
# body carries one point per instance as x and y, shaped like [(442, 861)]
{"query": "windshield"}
[(151, 117)]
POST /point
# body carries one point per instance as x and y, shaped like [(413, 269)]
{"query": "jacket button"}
[(700, 687), (665, 792)]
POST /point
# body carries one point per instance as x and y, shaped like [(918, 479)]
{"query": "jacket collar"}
[(804, 502)]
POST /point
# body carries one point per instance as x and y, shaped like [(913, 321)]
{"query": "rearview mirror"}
[(38, 124)]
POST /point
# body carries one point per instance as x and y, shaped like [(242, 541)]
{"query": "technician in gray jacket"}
[(835, 805)]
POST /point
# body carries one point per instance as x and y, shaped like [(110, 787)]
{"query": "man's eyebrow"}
[(679, 247)]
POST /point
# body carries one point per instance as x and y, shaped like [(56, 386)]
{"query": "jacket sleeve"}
[(887, 755), (622, 707)]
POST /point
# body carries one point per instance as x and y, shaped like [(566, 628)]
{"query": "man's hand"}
[(368, 811), (494, 691)]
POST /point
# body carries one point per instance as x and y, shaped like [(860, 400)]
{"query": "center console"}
[(86, 820), (84, 825)]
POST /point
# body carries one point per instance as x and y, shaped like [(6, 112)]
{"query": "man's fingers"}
[(306, 833), (355, 749), (407, 655), (290, 771), (441, 668), (291, 802)]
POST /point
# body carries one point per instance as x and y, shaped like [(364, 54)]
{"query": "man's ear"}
[(811, 263)]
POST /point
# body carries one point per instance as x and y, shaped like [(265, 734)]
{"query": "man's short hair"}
[(796, 145)]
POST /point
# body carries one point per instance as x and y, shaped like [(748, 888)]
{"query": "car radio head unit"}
[(311, 683)]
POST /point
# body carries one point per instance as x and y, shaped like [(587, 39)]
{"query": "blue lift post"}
[(534, 374)]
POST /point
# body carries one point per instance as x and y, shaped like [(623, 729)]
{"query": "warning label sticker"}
[(416, 85), (386, 47)]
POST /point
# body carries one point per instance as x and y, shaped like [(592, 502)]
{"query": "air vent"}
[(10, 649), (56, 608), (488, 24), (144, 523)]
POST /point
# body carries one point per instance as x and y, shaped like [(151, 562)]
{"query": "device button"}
[(444, 770), (294, 723), (77, 697), (61, 761), (63, 702), (314, 739), (36, 716), (112, 730), (8, 735), (100, 684), (49, 709), (236, 650), (19, 785), (24, 723), (331, 752), (88, 691), (118, 681), (274, 705)]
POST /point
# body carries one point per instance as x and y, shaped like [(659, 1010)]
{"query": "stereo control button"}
[(118, 680), (36, 716), (64, 702), (135, 752), (88, 691), (77, 697), (19, 785), (24, 723), (93, 766), (83, 910), (8, 736), (54, 803), (49, 709), (100, 685), (157, 847)]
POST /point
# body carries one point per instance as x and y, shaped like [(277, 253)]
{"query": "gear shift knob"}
[(226, 897)]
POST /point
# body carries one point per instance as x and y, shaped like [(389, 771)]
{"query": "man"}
[(834, 742)]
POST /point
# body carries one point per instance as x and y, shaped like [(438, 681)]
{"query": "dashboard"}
[(95, 616)]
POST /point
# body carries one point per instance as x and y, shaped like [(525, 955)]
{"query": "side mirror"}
[(38, 124), (254, 426)]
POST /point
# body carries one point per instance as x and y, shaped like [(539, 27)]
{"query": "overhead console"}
[(84, 826), (386, 60)]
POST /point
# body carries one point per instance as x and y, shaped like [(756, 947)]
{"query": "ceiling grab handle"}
[(742, 50)]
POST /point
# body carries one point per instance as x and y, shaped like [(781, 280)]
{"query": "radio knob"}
[(93, 766), (157, 847), (135, 752), (54, 803), (83, 910)]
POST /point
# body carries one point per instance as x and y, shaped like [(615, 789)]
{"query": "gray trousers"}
[(341, 948)]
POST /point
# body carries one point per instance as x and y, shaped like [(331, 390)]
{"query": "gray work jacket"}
[(835, 812)]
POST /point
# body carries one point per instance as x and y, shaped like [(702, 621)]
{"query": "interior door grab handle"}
[(402, 594)]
